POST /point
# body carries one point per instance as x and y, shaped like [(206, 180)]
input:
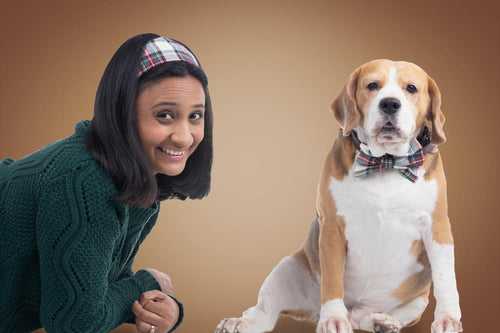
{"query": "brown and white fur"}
[(377, 242)]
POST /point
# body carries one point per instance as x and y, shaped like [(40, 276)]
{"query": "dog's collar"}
[(424, 138)]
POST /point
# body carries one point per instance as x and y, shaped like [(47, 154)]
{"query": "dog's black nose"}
[(389, 105)]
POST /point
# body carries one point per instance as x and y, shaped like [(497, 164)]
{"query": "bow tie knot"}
[(407, 165), (383, 162)]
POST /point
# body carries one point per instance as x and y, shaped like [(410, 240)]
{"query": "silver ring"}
[(152, 329)]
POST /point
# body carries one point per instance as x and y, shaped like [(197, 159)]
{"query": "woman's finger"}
[(142, 327), (145, 315), (152, 294), (167, 308)]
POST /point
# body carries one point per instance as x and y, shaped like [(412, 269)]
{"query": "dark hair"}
[(114, 140)]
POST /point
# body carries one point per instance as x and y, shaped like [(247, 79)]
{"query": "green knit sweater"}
[(66, 248)]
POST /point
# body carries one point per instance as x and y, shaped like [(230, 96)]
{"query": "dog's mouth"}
[(388, 127), (389, 132)]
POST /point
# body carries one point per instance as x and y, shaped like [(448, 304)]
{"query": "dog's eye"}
[(411, 88), (372, 86)]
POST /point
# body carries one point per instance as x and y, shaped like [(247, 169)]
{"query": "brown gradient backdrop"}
[(273, 70)]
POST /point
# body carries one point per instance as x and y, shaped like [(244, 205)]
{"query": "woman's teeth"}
[(171, 152)]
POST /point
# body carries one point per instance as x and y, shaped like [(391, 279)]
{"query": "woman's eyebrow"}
[(164, 104), (175, 104)]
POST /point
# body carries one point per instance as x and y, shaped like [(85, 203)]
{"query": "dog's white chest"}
[(384, 214)]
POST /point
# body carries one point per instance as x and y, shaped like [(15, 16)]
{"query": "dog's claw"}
[(447, 324), (229, 326), (378, 328), (385, 324)]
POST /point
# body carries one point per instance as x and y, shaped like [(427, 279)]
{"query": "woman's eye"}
[(196, 115), (165, 115), (372, 86), (411, 88)]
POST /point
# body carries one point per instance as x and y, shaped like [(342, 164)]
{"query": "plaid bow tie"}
[(366, 164)]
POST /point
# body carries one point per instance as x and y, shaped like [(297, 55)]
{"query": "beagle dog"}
[(382, 233)]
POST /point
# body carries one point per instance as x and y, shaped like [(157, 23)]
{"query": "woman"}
[(73, 214)]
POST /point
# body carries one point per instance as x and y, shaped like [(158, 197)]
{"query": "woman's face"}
[(171, 123)]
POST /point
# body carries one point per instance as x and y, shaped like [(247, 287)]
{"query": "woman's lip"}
[(170, 156), (174, 150)]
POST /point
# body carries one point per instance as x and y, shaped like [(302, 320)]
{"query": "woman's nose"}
[(181, 135)]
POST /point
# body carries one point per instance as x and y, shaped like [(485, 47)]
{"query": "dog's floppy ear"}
[(435, 115), (345, 108)]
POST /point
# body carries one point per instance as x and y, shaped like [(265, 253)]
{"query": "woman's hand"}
[(163, 280), (155, 312)]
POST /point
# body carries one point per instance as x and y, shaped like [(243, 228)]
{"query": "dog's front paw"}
[(334, 324), (446, 324), (383, 323), (243, 324), (231, 325)]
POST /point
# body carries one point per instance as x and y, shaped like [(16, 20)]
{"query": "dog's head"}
[(388, 103)]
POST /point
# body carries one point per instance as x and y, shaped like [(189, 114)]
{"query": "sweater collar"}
[(82, 127)]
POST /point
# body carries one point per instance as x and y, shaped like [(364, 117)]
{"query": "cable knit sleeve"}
[(77, 232), (127, 271)]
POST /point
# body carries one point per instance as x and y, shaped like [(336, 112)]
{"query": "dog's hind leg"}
[(289, 289)]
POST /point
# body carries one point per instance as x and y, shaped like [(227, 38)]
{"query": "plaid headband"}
[(161, 50)]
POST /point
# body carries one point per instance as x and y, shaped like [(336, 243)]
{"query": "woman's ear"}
[(434, 114), (345, 108)]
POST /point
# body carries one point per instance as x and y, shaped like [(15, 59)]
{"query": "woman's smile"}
[(172, 154)]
